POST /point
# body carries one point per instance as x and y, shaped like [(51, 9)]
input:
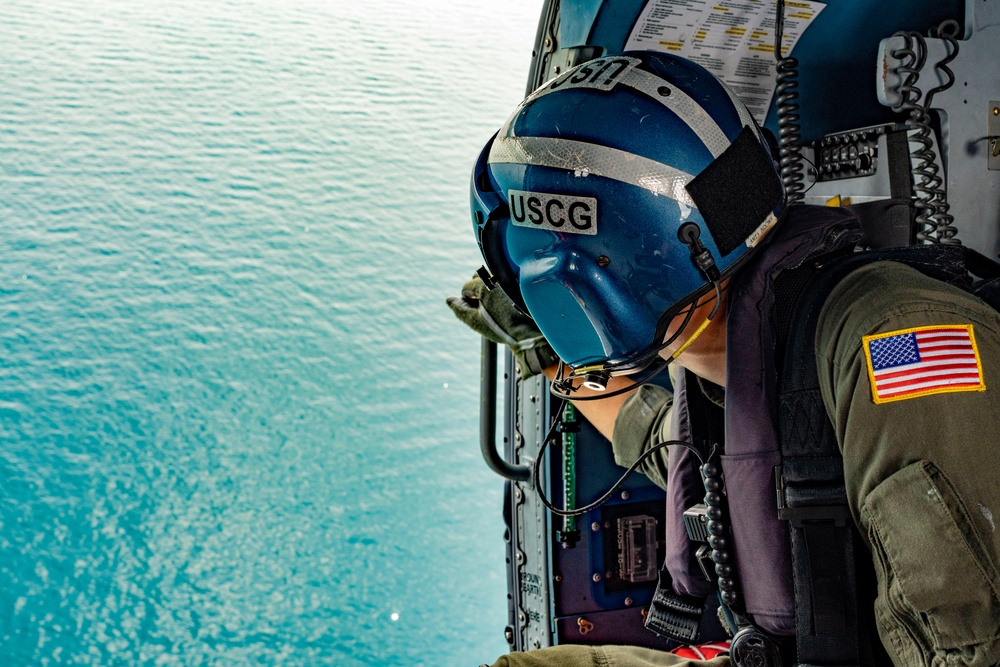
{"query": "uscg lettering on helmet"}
[(557, 213)]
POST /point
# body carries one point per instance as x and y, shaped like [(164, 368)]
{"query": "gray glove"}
[(492, 314)]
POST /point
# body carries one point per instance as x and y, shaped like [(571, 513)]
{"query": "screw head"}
[(629, 602), (595, 526), (597, 577)]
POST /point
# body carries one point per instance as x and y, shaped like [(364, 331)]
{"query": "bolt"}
[(595, 526)]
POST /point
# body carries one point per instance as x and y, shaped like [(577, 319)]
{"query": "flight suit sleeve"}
[(922, 467), (643, 421), (571, 655)]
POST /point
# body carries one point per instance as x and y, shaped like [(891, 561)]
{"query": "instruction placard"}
[(733, 39)]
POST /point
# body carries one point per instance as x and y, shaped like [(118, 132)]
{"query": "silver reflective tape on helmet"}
[(700, 122), (590, 159), (601, 74), (746, 118)]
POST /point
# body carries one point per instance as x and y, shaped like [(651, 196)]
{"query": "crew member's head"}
[(579, 200)]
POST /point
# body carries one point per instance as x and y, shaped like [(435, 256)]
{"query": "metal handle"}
[(488, 418)]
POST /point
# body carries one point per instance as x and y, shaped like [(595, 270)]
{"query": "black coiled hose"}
[(943, 220), (934, 223), (789, 130), (926, 181)]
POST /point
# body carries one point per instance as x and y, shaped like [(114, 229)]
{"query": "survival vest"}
[(800, 571)]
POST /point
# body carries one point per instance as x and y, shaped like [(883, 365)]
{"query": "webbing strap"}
[(810, 489)]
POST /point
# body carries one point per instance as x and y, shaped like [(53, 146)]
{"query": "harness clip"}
[(811, 503)]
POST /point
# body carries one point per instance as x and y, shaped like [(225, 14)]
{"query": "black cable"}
[(561, 387), (567, 396), (933, 220), (536, 470), (786, 110), (943, 219)]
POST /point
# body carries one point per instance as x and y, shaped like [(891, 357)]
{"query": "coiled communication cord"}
[(933, 220), (789, 130)]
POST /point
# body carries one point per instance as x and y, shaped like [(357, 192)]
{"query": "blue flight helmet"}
[(578, 201)]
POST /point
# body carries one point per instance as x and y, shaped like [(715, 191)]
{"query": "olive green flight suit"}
[(922, 477)]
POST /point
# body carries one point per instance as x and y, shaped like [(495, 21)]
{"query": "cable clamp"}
[(567, 426)]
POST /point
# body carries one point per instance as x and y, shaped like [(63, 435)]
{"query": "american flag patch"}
[(921, 361)]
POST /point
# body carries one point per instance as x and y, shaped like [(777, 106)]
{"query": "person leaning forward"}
[(687, 229)]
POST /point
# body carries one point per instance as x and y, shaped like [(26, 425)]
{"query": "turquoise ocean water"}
[(237, 423)]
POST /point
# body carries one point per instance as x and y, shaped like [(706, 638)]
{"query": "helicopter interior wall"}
[(837, 54)]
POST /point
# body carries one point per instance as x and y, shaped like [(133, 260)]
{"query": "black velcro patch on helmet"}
[(737, 191)]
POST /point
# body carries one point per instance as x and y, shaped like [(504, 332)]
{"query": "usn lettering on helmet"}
[(603, 74), (557, 213)]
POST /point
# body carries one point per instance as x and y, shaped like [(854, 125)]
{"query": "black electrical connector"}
[(690, 235)]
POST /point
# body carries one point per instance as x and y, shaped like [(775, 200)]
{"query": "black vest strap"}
[(810, 488)]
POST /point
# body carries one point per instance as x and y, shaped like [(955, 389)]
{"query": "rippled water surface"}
[(237, 423)]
